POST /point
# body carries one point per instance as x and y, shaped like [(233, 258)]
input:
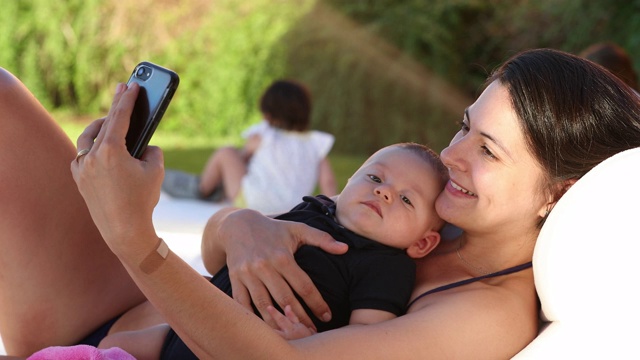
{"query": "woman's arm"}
[(259, 253), (121, 192)]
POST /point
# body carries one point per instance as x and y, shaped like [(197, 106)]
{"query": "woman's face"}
[(495, 181)]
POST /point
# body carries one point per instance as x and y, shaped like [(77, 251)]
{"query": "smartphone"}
[(157, 86)]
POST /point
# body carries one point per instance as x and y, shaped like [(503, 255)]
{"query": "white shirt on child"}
[(284, 167)]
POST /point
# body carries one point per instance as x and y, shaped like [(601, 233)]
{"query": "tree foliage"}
[(380, 71)]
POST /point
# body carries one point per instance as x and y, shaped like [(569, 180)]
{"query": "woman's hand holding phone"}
[(119, 190)]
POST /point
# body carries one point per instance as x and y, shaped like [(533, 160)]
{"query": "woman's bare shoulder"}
[(480, 322), (496, 317)]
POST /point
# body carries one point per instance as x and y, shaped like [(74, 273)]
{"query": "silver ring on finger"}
[(82, 153)]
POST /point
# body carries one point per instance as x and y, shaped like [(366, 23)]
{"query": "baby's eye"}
[(374, 178), (405, 199)]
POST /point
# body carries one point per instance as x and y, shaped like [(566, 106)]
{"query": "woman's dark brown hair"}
[(573, 113)]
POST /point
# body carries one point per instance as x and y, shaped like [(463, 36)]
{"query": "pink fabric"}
[(80, 352)]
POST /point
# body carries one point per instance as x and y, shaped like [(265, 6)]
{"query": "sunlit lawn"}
[(191, 153)]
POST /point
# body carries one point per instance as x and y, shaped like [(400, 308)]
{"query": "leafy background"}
[(380, 71)]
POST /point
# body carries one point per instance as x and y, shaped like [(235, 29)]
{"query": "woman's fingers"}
[(115, 124), (291, 280), (240, 294), (120, 88), (298, 280), (274, 278), (260, 258), (120, 114), (314, 237), (301, 283), (251, 290), (86, 139)]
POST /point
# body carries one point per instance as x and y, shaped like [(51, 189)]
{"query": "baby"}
[(386, 214)]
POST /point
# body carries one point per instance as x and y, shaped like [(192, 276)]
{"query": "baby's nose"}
[(381, 193)]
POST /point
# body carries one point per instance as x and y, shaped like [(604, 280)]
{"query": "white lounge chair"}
[(586, 265)]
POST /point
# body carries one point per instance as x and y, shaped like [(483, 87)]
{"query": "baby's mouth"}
[(373, 207)]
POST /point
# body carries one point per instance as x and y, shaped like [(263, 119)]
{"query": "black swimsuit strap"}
[(508, 271)]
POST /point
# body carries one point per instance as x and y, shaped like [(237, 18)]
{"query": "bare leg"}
[(142, 344), (140, 317), (58, 279), (226, 166)]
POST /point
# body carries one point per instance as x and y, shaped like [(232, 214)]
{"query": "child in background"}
[(281, 161), (615, 59), (385, 214)]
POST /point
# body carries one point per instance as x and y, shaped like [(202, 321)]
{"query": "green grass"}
[(190, 153)]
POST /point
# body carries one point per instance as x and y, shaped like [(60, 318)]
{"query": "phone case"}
[(157, 86)]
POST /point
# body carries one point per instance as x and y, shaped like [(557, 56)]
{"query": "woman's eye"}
[(487, 152), (464, 127), (374, 178), (405, 199)]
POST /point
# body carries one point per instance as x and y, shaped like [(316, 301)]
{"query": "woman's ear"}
[(560, 189), (424, 246)]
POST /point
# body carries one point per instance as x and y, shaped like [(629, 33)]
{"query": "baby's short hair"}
[(431, 157)]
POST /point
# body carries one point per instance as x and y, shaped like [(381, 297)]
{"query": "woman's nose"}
[(453, 156)]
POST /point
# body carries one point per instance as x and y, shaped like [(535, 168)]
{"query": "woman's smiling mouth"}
[(461, 189)]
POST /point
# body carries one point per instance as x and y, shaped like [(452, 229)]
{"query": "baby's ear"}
[(424, 246)]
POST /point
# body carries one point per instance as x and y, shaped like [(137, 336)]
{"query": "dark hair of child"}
[(615, 59), (287, 105)]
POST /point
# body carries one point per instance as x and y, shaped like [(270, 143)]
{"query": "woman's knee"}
[(7, 79)]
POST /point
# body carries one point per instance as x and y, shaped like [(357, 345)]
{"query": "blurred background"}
[(380, 71)]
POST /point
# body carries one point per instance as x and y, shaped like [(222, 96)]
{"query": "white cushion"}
[(586, 265)]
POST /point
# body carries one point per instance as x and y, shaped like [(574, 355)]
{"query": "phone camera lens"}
[(143, 73)]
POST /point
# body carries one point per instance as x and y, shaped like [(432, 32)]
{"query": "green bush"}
[(226, 64), (72, 53), (463, 40), (366, 90), (380, 71)]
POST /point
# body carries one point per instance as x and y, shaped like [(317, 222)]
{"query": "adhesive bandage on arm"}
[(155, 258)]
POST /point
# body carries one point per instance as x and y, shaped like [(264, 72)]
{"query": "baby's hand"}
[(289, 325)]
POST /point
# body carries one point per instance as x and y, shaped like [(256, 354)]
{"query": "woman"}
[(544, 120)]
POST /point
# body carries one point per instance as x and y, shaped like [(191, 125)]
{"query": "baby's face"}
[(391, 198)]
